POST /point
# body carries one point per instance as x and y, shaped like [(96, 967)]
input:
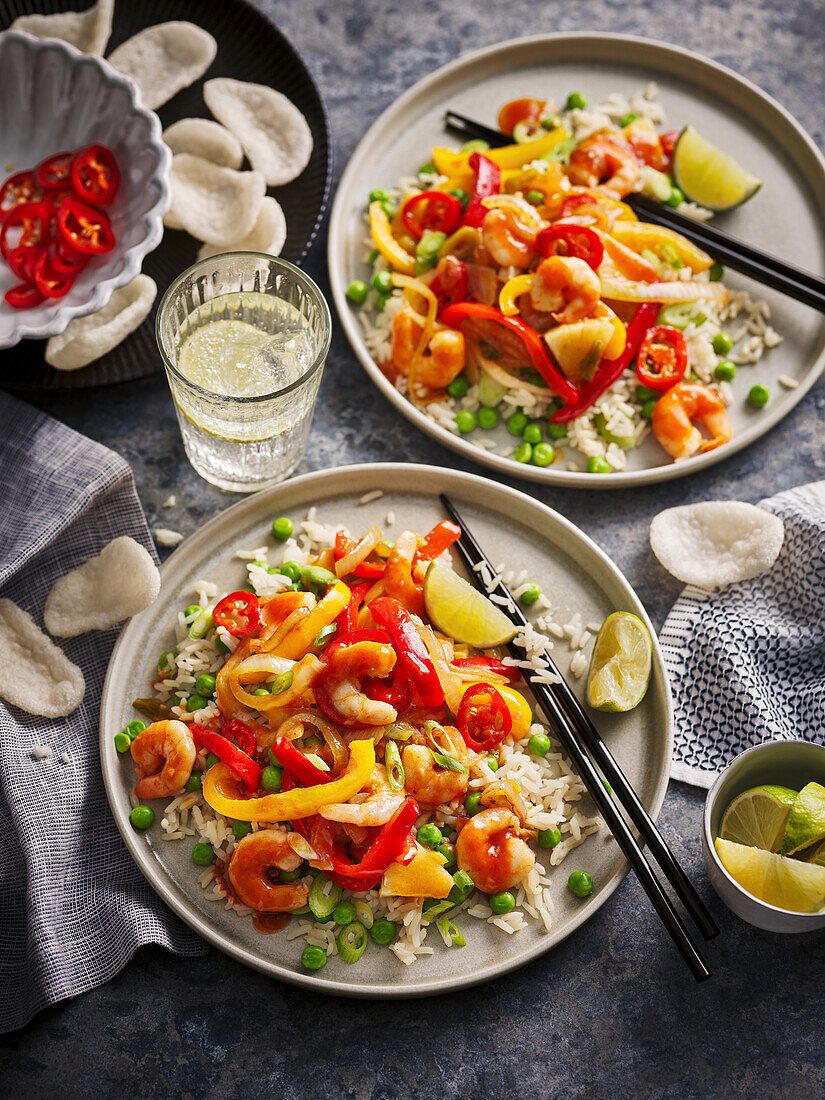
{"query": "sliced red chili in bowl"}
[(17, 189), (571, 240), (24, 296), (239, 613), (48, 281), (22, 260), (95, 176), (64, 259), (53, 172), (87, 230), (26, 225), (432, 211), (662, 359)]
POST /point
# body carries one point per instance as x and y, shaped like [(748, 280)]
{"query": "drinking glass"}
[(247, 427)]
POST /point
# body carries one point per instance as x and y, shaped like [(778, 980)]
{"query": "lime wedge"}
[(462, 612), (817, 854), (806, 822), (707, 175), (620, 665), (786, 883), (757, 817)]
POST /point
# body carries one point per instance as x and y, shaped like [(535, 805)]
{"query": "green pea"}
[(543, 454), (134, 728), (536, 198), (648, 407), (192, 610), (315, 575), (580, 884), (290, 569), (625, 120), (382, 301), (272, 778), (313, 957), (523, 453), (388, 209), (382, 281), (517, 423), (716, 273), (383, 931), (492, 761), (476, 145), (122, 741), (556, 431), (261, 691), (379, 195), (373, 256), (205, 685), (167, 663), (458, 387), (472, 804), (344, 913), (722, 343), (241, 829), (203, 854), (465, 421), (645, 393), (211, 760), (598, 466), (575, 102), (357, 291), (488, 418), (194, 782), (758, 396), (539, 744), (675, 198), (282, 528), (502, 903), (460, 194), (221, 645), (530, 594), (429, 835), (177, 700), (550, 123), (725, 370), (532, 433), (196, 702), (549, 838), (142, 817), (291, 876)]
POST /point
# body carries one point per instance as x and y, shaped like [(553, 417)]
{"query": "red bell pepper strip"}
[(488, 664), (243, 766), (610, 370), (366, 569), (87, 230), (454, 315), (239, 613), (24, 296), (668, 142), (297, 764), (571, 240), (442, 536), (662, 359), (235, 730), (431, 210), (95, 175), (487, 183), (410, 649), (347, 621), (483, 727), (53, 172), (395, 690)]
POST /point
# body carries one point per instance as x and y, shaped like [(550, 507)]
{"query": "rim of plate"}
[(397, 476), (571, 478)]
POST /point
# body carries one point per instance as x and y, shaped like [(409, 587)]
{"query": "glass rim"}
[(308, 284)]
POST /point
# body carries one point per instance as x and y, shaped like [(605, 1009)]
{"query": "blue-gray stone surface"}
[(611, 1011)]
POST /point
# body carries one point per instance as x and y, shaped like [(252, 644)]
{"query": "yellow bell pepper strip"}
[(423, 877), (454, 165), (517, 705), (220, 790), (396, 256), (306, 630), (511, 291), (617, 342), (642, 235)]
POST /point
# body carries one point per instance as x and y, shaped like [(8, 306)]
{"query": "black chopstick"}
[(574, 727), (803, 286)]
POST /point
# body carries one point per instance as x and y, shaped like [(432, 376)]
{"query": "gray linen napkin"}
[(73, 905), (747, 664)]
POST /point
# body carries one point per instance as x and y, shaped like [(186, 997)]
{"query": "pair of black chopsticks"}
[(768, 270), (590, 755)]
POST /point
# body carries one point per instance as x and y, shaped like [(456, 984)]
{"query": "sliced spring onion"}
[(324, 895), (201, 625), (323, 636), (490, 392), (445, 759), (450, 932), (395, 769), (399, 731), (671, 256), (680, 315), (463, 886), (352, 941), (561, 152), (449, 762), (364, 914), (281, 683), (434, 908)]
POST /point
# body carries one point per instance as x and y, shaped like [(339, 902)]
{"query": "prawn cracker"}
[(204, 138), (268, 234), (164, 59), (274, 134), (716, 542), (216, 205), (86, 339), (35, 675), (88, 31), (121, 581)]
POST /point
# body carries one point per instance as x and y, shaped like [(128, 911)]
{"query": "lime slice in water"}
[(222, 357), (707, 175), (621, 663), (806, 821), (462, 612), (786, 883), (757, 817)]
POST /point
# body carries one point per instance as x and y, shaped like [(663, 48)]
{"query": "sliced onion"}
[(482, 284), (504, 378), (449, 684), (293, 728), (302, 847), (617, 289), (478, 674), (262, 666), (359, 553)]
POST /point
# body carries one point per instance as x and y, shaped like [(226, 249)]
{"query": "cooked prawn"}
[(567, 287), (399, 582), (508, 239), (164, 754), (428, 781), (491, 851), (603, 162), (374, 805), (674, 412), (248, 872), (347, 666), (443, 360)]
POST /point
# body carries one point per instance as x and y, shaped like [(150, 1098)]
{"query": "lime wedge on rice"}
[(708, 176), (757, 818), (806, 821), (462, 612), (778, 880), (621, 663)]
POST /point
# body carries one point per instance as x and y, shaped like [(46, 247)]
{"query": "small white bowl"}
[(785, 764), (54, 98)]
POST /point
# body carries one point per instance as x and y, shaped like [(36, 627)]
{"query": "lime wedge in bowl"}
[(757, 818), (806, 821), (462, 612), (780, 881), (708, 176), (621, 663)]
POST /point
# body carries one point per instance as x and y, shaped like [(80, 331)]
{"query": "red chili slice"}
[(24, 296), (17, 189), (48, 281), (95, 175), (432, 210), (22, 260), (26, 225), (239, 613), (571, 240), (53, 172), (483, 727), (662, 359), (87, 230), (64, 259)]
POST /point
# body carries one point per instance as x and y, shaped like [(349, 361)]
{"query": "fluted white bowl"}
[(54, 98)]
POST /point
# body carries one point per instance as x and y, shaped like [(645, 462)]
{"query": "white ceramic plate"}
[(785, 218), (510, 526)]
